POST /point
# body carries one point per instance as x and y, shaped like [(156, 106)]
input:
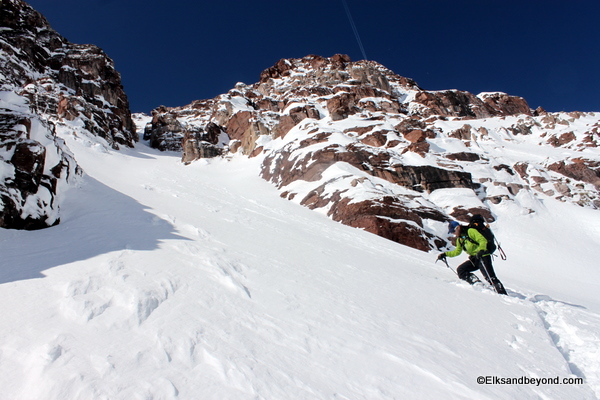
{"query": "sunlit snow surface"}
[(167, 281)]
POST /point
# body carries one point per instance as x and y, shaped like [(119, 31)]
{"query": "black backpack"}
[(478, 222)]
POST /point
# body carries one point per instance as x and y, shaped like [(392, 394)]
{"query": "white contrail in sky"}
[(362, 49)]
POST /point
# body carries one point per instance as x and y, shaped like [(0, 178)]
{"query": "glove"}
[(442, 256), (480, 254)]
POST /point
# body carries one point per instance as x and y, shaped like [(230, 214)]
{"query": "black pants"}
[(473, 264)]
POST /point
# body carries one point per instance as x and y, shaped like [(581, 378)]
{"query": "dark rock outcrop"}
[(464, 104), (580, 169), (60, 79), (35, 161), (49, 85)]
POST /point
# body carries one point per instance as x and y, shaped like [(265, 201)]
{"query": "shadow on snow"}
[(96, 220)]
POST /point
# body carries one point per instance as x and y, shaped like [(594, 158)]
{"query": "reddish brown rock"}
[(341, 105), (388, 218), (580, 169), (449, 103), (463, 133), (375, 139), (463, 156), (201, 144), (521, 168), (421, 148), (412, 123), (415, 136), (503, 104), (562, 139), (238, 124), (464, 104), (465, 214), (360, 130), (277, 71), (294, 117)]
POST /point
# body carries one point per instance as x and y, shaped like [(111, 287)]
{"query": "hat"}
[(452, 226)]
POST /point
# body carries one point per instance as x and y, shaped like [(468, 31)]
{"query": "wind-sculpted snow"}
[(205, 283)]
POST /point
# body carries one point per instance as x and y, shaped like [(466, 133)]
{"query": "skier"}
[(476, 246)]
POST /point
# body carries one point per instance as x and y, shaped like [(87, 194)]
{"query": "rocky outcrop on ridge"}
[(373, 150), (46, 85)]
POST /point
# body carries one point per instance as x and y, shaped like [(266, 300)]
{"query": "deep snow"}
[(167, 281)]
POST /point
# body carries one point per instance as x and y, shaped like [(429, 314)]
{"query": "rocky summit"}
[(373, 150), (49, 84)]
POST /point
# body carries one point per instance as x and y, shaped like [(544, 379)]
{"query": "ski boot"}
[(498, 286), (472, 279)]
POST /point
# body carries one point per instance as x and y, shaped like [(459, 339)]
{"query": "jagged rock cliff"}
[(47, 83), (373, 150)]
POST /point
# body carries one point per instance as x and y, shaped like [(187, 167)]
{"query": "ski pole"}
[(483, 268), (485, 273), (447, 265), (480, 266)]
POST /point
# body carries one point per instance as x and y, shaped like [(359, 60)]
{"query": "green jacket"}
[(473, 246)]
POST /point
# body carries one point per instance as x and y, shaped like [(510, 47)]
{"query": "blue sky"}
[(171, 53)]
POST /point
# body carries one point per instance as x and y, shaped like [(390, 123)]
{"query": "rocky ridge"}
[(49, 84), (373, 150)]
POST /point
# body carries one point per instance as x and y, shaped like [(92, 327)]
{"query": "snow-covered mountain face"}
[(352, 140), (374, 151), (47, 83)]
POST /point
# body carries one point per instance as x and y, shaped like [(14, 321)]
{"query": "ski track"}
[(574, 331)]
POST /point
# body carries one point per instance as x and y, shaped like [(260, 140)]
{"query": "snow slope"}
[(166, 281)]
